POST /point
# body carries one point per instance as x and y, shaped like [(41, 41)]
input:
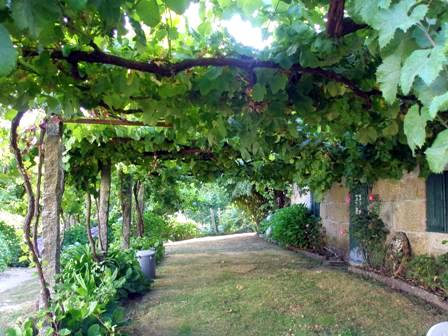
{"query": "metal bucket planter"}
[(147, 261)]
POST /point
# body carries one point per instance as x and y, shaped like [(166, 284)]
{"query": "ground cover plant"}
[(10, 247)]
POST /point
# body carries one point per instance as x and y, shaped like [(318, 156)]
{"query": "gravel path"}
[(19, 291)]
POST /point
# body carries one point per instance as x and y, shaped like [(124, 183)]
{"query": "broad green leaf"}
[(10, 114), (94, 330), (388, 76), (440, 103), (178, 6), (34, 15), (77, 4), (8, 54), (414, 127), (384, 3), (148, 11), (391, 129), (437, 154), (426, 64), (403, 15), (64, 332), (278, 82), (2, 4), (258, 92)]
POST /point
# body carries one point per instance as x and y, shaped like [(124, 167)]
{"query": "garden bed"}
[(403, 286)]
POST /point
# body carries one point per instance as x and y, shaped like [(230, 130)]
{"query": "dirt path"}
[(240, 285), (19, 290)]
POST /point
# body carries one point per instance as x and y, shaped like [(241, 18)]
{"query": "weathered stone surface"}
[(397, 253), (410, 216), (52, 195), (388, 190), (434, 242), (419, 242)]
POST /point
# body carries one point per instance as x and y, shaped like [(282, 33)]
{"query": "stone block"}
[(387, 210), (337, 193), (410, 216), (435, 245), (412, 188), (388, 190), (419, 242)]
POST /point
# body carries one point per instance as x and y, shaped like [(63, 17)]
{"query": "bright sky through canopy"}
[(241, 30)]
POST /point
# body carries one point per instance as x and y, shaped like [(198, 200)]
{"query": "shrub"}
[(423, 269), (183, 230), (295, 226), (371, 233), (75, 234), (10, 250), (156, 226)]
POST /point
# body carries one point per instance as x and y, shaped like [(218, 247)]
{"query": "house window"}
[(437, 202)]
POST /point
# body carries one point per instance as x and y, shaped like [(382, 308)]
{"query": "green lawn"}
[(243, 286)]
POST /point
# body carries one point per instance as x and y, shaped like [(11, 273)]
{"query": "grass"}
[(244, 286)]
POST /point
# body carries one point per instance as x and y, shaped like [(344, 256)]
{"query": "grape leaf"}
[(440, 103), (77, 4), (149, 12), (398, 16), (425, 63), (258, 93), (8, 54), (278, 82), (414, 127), (437, 154), (178, 6), (388, 76)]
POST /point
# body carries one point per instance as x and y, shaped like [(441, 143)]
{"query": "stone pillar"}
[(52, 196), (126, 208), (106, 172)]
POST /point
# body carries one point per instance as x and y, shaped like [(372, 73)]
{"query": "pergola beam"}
[(115, 122)]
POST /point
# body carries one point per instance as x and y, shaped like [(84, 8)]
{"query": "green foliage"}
[(8, 54), (370, 232), (151, 242), (180, 230), (88, 293), (295, 226), (10, 247), (424, 269), (75, 234)]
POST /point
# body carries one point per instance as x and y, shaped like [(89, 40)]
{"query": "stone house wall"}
[(334, 211), (403, 208)]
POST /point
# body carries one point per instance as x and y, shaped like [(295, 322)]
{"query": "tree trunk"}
[(103, 211), (212, 220), (139, 195), (52, 197), (45, 293), (281, 199), (126, 208), (219, 217), (37, 207), (88, 227)]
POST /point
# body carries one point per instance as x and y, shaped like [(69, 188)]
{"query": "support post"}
[(52, 197), (126, 208), (106, 172)]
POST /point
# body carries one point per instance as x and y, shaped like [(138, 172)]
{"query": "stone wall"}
[(403, 208), (334, 212)]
